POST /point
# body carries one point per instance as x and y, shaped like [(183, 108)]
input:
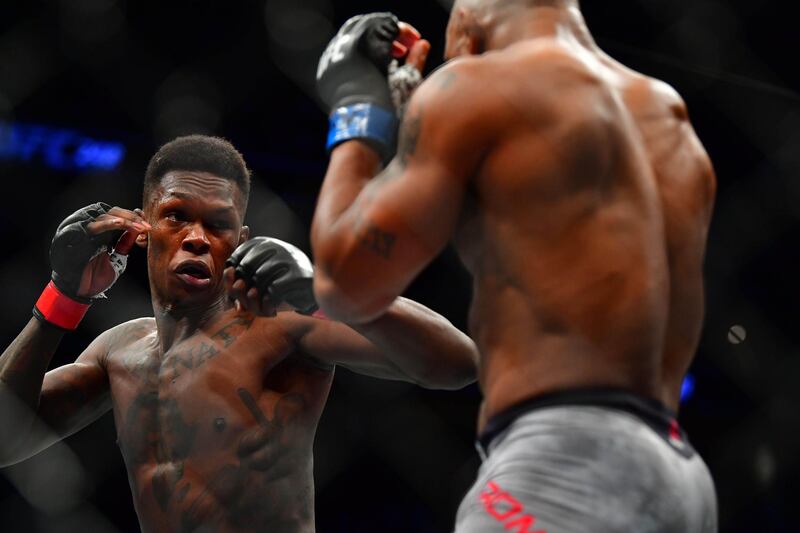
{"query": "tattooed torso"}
[(217, 432)]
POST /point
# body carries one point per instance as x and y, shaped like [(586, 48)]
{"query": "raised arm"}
[(372, 235), (87, 254), (409, 342)]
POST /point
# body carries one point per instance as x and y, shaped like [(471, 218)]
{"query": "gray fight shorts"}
[(588, 461)]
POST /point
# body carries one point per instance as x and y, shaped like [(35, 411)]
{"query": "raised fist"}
[(361, 84), (264, 272), (90, 248)]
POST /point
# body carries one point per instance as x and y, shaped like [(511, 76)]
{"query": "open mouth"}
[(194, 273)]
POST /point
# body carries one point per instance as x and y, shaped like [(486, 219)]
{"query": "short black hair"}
[(198, 153)]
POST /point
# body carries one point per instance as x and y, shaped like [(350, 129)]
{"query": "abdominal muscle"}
[(224, 494)]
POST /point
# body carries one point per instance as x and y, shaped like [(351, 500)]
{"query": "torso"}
[(585, 230), (217, 433)]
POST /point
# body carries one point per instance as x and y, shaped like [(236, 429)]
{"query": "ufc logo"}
[(334, 53)]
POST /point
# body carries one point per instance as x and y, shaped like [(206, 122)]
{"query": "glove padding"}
[(73, 247), (352, 82), (354, 66), (278, 270)]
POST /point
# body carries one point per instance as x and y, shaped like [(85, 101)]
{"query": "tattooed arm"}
[(409, 342), (38, 409), (371, 237)]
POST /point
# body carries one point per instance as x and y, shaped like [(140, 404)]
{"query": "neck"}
[(176, 323), (553, 18)]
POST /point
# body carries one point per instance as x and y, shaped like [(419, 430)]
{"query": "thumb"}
[(125, 242)]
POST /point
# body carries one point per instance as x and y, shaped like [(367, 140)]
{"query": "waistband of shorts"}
[(652, 412)]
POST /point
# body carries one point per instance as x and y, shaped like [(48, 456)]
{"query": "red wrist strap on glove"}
[(56, 308)]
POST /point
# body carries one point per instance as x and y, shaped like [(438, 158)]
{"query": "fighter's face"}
[(196, 223)]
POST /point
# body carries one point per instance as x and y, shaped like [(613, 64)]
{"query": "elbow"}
[(467, 372), (452, 382), (452, 379), (347, 286), (461, 371), (347, 303), (340, 287)]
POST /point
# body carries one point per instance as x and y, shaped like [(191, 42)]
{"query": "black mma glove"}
[(72, 249), (278, 270), (352, 82)]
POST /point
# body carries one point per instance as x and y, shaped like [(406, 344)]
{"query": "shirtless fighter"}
[(216, 398), (579, 198)]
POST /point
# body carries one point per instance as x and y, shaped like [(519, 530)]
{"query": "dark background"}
[(393, 457)]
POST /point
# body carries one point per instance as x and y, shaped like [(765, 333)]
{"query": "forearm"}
[(25, 361), (339, 287), (424, 345), (22, 369), (351, 166)]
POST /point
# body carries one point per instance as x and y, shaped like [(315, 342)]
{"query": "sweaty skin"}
[(216, 399), (575, 190)]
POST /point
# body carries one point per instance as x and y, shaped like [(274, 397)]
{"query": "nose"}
[(195, 240)]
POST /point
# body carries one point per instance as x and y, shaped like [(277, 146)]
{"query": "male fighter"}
[(216, 398), (579, 198)]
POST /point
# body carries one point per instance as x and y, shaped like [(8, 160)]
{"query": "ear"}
[(473, 35), (476, 42), (141, 239), (244, 234), (463, 34)]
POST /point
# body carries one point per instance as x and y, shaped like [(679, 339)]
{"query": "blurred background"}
[(90, 88)]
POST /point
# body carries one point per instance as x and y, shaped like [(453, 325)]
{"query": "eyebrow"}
[(180, 195), (187, 196), (223, 210)]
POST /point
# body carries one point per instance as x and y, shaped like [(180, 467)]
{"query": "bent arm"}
[(40, 409), (409, 342), (371, 237)]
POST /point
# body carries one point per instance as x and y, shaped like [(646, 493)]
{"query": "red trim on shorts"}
[(674, 430), (59, 309)]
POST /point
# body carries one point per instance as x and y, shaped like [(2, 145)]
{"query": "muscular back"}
[(584, 227)]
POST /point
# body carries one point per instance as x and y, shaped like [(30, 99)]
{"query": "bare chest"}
[(212, 416), (162, 403)]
